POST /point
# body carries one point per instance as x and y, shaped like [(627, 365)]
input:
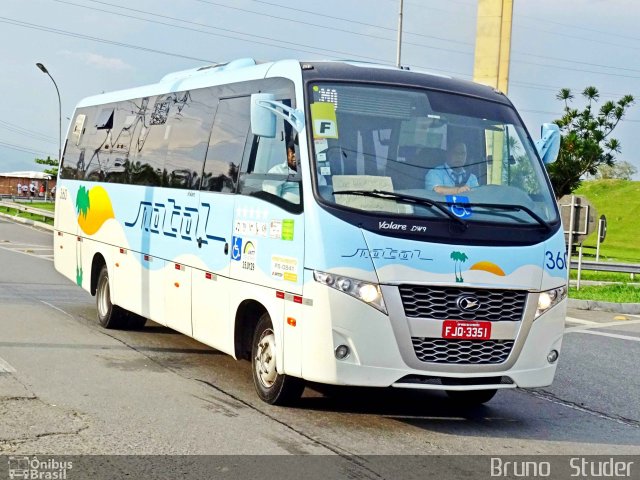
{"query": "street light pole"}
[(44, 70), (398, 53)]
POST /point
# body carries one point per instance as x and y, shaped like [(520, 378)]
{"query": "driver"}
[(451, 177)]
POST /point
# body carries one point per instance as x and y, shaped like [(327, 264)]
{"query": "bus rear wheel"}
[(112, 316), (471, 398), (272, 387)]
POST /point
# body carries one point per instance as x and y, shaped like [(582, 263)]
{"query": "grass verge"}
[(618, 293), (596, 276), (30, 216)]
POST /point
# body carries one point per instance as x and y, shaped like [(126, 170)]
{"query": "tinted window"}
[(226, 146), (190, 127), (74, 153)]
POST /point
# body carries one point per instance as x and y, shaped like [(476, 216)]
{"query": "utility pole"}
[(493, 43), (491, 64), (399, 36)]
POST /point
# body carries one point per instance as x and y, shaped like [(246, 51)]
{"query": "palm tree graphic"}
[(458, 257), (82, 207), (82, 202)]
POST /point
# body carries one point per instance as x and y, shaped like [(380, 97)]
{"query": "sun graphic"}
[(94, 208), (488, 267)]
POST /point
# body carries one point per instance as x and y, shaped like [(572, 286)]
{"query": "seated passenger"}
[(451, 177)]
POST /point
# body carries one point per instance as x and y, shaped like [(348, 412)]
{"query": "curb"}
[(26, 221), (628, 308)]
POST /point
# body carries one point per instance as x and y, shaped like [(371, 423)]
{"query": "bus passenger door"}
[(212, 319), (267, 257)]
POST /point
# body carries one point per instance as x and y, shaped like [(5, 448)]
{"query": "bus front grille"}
[(476, 352), (444, 303)]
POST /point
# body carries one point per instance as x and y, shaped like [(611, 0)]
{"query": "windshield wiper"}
[(405, 198), (515, 208)]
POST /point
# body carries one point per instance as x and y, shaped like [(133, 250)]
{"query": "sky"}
[(92, 46)]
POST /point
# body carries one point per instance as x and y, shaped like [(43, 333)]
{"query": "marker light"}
[(550, 298), (342, 352), (367, 292)]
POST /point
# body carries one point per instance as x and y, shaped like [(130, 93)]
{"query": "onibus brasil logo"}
[(33, 468)]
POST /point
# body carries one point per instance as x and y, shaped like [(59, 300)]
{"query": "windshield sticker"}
[(249, 253), (459, 206), (325, 124), (284, 268), (458, 259), (388, 254), (324, 94), (321, 144), (321, 157), (325, 171)]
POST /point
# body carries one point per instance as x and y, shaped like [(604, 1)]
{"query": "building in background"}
[(9, 182)]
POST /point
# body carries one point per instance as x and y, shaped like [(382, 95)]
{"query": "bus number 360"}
[(558, 261)]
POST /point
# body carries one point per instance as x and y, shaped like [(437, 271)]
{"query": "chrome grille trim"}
[(467, 352), (440, 303)]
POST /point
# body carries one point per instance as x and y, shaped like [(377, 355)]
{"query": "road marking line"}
[(612, 335), (56, 308), (602, 325), (578, 320), (5, 367), (14, 250)]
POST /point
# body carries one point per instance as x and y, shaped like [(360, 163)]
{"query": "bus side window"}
[(190, 121), (226, 146), (265, 174)]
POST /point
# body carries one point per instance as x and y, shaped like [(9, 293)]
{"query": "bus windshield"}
[(381, 148)]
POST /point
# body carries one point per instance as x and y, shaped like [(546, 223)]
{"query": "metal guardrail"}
[(22, 208), (607, 267)]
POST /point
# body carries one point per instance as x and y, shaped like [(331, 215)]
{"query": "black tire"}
[(471, 398), (109, 315), (271, 387)]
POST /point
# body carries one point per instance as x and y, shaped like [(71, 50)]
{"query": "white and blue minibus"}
[(333, 222)]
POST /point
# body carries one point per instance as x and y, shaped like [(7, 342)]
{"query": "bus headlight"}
[(369, 293), (550, 298)]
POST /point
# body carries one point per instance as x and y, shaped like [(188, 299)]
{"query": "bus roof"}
[(244, 69)]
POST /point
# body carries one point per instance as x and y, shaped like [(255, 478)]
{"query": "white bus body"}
[(175, 203)]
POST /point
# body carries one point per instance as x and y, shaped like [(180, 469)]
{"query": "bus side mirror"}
[(549, 144), (263, 120), (265, 109)]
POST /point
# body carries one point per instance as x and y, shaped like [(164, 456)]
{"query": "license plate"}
[(455, 329)]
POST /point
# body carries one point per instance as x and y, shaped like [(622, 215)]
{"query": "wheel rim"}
[(104, 301), (265, 360)]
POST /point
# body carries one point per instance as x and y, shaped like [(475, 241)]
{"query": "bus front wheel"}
[(272, 387)]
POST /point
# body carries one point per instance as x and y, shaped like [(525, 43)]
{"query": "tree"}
[(52, 162), (621, 171), (586, 144)]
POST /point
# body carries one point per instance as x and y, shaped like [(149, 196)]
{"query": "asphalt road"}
[(70, 387)]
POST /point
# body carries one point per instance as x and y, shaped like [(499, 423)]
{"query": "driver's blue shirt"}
[(445, 176)]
